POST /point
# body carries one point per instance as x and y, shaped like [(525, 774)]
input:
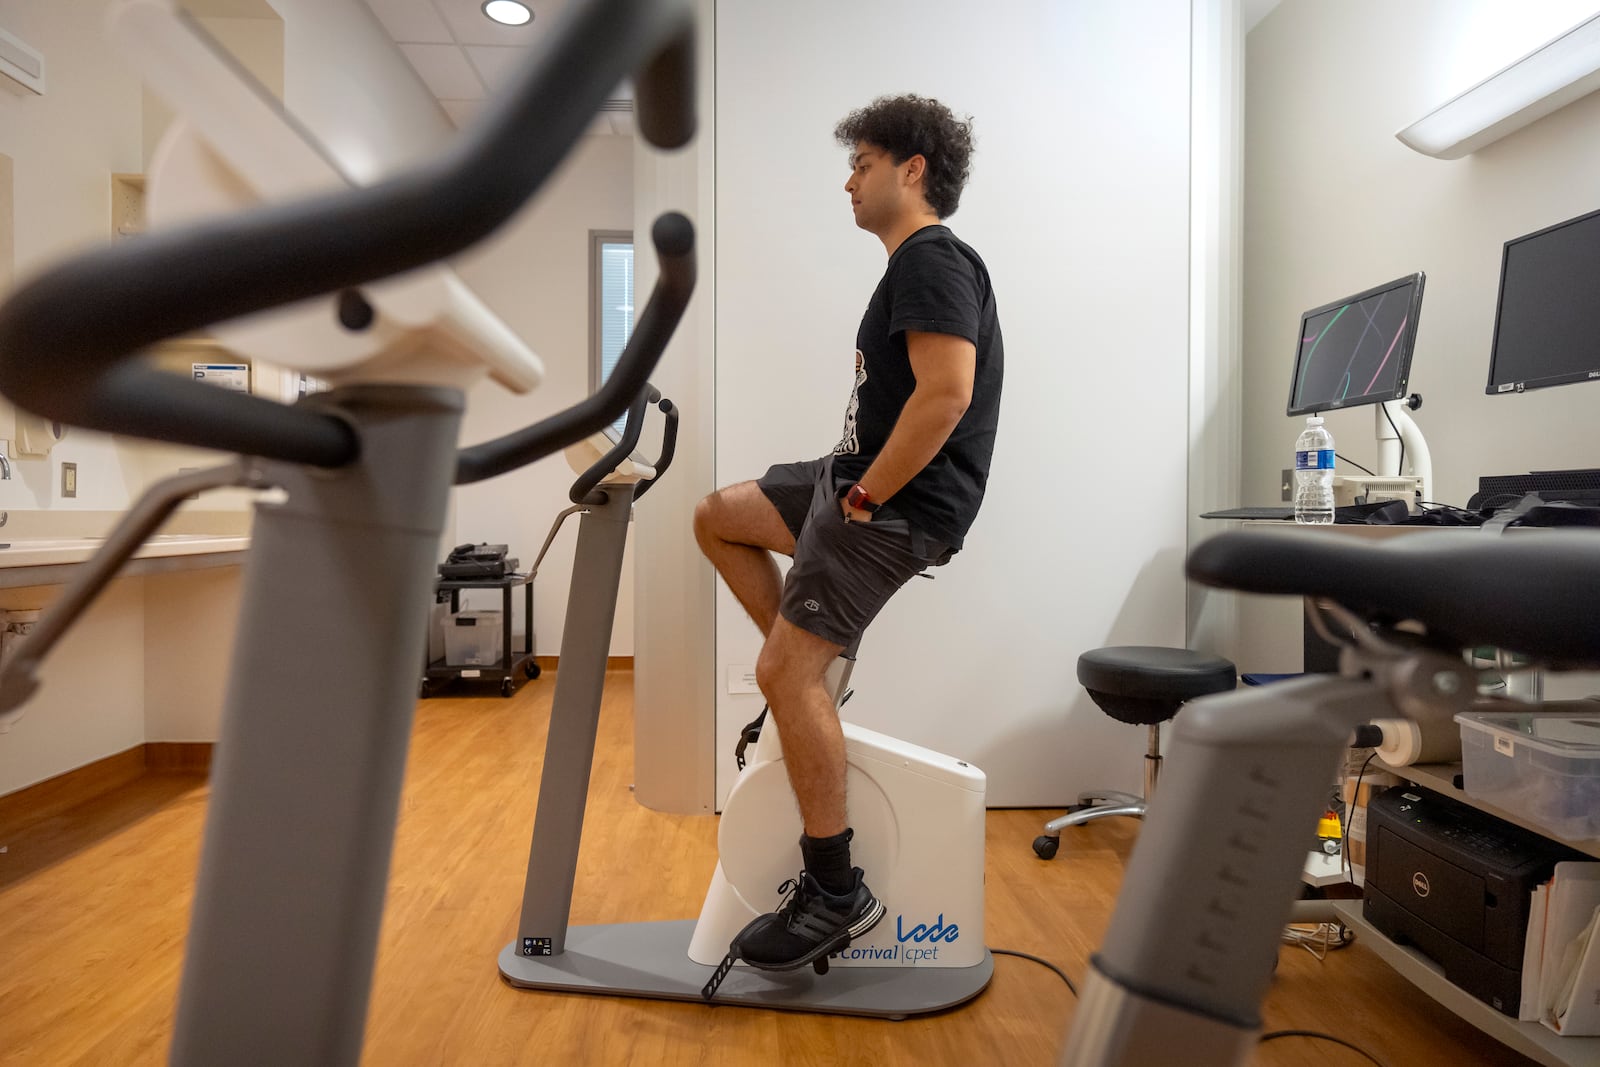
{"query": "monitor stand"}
[(1403, 431)]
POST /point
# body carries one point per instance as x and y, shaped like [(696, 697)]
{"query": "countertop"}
[(28, 561)]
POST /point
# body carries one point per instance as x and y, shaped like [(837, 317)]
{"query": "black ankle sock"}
[(828, 861)]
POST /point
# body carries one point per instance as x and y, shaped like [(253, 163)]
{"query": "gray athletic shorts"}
[(844, 572)]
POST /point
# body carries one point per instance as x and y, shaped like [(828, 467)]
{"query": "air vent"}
[(25, 66), (620, 104)]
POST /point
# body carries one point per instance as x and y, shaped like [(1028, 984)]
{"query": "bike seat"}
[(1535, 593)]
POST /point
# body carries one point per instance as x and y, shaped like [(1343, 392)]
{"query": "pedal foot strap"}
[(710, 989)]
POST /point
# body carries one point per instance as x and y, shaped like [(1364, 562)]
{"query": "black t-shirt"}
[(934, 283)]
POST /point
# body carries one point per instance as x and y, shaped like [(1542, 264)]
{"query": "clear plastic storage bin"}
[(473, 639), (1542, 766)]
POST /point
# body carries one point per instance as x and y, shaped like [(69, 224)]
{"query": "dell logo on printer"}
[(1419, 884)]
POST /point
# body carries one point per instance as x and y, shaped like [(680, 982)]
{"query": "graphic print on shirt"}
[(850, 443)]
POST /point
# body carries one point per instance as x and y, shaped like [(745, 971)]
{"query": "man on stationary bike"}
[(897, 494)]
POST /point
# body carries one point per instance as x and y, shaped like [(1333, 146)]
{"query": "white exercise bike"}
[(918, 815)]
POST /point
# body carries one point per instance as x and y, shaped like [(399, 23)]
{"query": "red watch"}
[(857, 498)]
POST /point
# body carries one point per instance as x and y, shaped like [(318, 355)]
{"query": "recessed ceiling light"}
[(508, 12)]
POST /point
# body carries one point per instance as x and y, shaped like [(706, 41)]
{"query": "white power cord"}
[(1319, 939)]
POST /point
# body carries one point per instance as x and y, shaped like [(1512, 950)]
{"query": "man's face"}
[(874, 187)]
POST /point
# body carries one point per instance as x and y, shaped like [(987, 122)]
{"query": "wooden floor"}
[(94, 904)]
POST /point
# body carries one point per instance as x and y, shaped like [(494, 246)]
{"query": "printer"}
[(1454, 883)]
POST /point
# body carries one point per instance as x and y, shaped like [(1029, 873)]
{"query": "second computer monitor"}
[(1357, 350), (1547, 324)]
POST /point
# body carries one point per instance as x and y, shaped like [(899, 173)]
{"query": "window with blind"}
[(611, 300)]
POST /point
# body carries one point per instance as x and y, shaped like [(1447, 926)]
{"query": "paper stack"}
[(1561, 957)]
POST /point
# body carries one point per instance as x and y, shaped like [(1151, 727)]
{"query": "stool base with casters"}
[(1145, 686)]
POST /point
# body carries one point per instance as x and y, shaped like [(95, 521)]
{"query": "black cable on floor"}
[(1320, 1037), (1038, 960)]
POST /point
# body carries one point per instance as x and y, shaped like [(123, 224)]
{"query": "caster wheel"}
[(507, 687), (424, 691), (531, 669), (1044, 846), (820, 966)]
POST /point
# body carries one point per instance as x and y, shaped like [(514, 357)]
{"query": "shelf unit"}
[(1532, 1039), (512, 660), (1440, 777)]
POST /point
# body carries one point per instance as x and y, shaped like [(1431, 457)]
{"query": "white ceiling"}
[(464, 57)]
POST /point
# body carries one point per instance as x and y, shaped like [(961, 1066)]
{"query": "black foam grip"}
[(663, 97)]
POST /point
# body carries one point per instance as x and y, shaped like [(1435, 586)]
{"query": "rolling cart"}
[(512, 660)]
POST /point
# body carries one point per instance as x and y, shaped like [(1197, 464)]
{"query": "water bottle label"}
[(1316, 459)]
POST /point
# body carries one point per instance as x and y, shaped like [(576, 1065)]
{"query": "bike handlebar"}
[(673, 237), (669, 448)]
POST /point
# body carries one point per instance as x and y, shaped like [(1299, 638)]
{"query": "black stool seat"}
[(1144, 684)]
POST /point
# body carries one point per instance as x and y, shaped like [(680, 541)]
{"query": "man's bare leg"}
[(738, 529), (791, 672)]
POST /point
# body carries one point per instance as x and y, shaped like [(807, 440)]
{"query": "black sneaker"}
[(809, 926)]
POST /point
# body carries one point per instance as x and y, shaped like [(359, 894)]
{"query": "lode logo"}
[(921, 932), (812, 605)]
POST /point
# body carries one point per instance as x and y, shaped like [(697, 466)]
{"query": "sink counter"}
[(30, 561)]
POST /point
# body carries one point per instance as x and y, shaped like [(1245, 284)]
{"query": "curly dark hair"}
[(905, 126)]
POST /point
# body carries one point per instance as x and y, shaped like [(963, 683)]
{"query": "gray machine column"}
[(317, 719), (569, 748)]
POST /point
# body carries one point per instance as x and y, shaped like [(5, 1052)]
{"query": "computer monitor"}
[(1357, 350), (1547, 322)]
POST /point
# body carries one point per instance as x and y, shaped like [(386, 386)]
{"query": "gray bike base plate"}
[(652, 960)]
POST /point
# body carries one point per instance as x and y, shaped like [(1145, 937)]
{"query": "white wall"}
[(1334, 204), (674, 693), (1215, 314), (354, 90), (1079, 203), (65, 146), (535, 275), (63, 204)]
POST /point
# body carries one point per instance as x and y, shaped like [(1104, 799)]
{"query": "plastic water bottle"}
[(1313, 474)]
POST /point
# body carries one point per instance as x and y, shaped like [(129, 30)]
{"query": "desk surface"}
[(1350, 529)]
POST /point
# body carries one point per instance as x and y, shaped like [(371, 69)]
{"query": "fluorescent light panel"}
[(1548, 78)]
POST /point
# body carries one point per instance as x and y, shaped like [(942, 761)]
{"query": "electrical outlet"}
[(1288, 485), (69, 479)]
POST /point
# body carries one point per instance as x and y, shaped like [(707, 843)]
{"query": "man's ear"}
[(916, 167)]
